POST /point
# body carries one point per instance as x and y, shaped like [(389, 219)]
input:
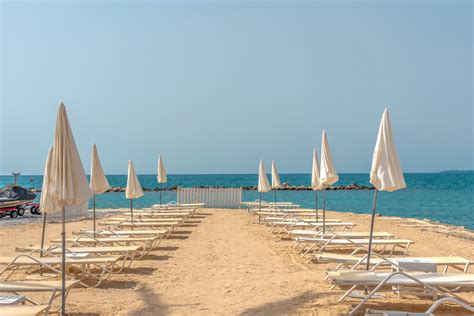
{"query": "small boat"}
[(13, 196)]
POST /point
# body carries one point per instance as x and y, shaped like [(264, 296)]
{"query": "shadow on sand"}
[(177, 237), (193, 222), (182, 232), (202, 215), (141, 270), (116, 284), (152, 305), (155, 257), (167, 248)]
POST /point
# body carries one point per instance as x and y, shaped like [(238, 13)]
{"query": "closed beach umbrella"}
[(46, 202), (328, 174), (263, 184), (386, 173), (98, 180), (315, 181), (67, 182), (134, 189), (275, 179), (162, 178)]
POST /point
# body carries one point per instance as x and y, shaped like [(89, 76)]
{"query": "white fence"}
[(212, 197)]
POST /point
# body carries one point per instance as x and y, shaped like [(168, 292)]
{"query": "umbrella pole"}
[(324, 209), (275, 196), (160, 197), (372, 222), (316, 205), (63, 262), (260, 206), (131, 209), (42, 233), (93, 233)]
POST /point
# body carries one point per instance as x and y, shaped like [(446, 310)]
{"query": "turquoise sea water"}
[(444, 197)]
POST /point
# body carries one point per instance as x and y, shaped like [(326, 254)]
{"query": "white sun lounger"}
[(145, 219), (324, 243), (147, 214), (308, 211), (264, 205), (175, 204), (150, 225), (23, 310), (82, 266), (257, 203), (432, 283), (270, 208), (148, 243), (352, 262), (318, 233), (124, 233), (271, 219), (305, 239), (170, 206), (127, 252), (429, 312), (295, 213), (286, 226), (153, 211), (53, 287)]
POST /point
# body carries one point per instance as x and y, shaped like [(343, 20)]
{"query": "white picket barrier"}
[(212, 197)]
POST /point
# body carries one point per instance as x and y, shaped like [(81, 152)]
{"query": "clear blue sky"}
[(215, 86)]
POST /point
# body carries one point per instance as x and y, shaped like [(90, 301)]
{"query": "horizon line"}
[(283, 173)]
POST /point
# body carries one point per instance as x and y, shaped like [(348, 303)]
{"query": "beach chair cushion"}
[(417, 264), (393, 313), (11, 299), (23, 310), (353, 277)]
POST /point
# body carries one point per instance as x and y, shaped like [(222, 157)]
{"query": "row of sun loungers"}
[(92, 257), (390, 269)]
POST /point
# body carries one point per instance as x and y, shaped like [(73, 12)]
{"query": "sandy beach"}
[(222, 262)]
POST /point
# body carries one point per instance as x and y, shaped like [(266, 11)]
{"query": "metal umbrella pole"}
[(160, 197), (324, 209), (316, 205), (131, 210), (63, 262), (42, 238), (93, 232), (42, 233), (275, 196), (372, 222)]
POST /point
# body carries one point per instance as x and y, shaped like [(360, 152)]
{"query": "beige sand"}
[(222, 263)]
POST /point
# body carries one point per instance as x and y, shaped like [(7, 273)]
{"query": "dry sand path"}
[(230, 266)]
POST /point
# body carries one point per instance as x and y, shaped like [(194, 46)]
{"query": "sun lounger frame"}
[(106, 268)]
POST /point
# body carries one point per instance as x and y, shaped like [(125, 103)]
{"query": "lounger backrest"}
[(422, 265)]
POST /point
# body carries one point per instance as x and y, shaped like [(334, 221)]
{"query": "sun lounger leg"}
[(309, 249), (343, 297)]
